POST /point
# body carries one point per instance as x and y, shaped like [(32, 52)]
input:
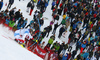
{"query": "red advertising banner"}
[(40, 52)]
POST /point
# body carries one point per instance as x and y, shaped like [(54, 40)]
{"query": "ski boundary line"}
[(7, 37)]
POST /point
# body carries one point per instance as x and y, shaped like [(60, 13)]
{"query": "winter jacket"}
[(96, 37), (74, 26), (59, 11), (51, 23), (11, 12), (63, 52), (50, 28), (41, 22), (50, 41), (57, 17), (1, 4), (32, 21), (29, 4), (83, 45), (85, 55), (43, 34), (79, 22), (61, 5), (57, 2), (69, 56), (65, 57), (76, 4), (17, 14), (61, 30), (20, 20), (67, 17), (63, 22), (87, 42), (91, 26), (60, 49), (87, 59), (20, 25), (25, 22), (46, 48), (54, 45), (78, 43), (32, 7), (46, 4), (55, 26), (57, 47), (38, 2), (53, 3), (7, 21), (74, 53), (4, 14), (11, 1), (65, 10), (11, 23), (91, 38)]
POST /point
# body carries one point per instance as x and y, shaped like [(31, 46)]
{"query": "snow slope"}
[(10, 50)]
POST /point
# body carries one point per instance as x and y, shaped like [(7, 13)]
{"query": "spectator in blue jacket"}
[(85, 55), (87, 58), (20, 25), (53, 4), (74, 26), (82, 47), (1, 4), (7, 21), (10, 3), (25, 22), (78, 45), (46, 4), (65, 57)]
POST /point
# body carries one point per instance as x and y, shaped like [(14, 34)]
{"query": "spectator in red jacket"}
[(57, 3), (65, 10), (47, 48)]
